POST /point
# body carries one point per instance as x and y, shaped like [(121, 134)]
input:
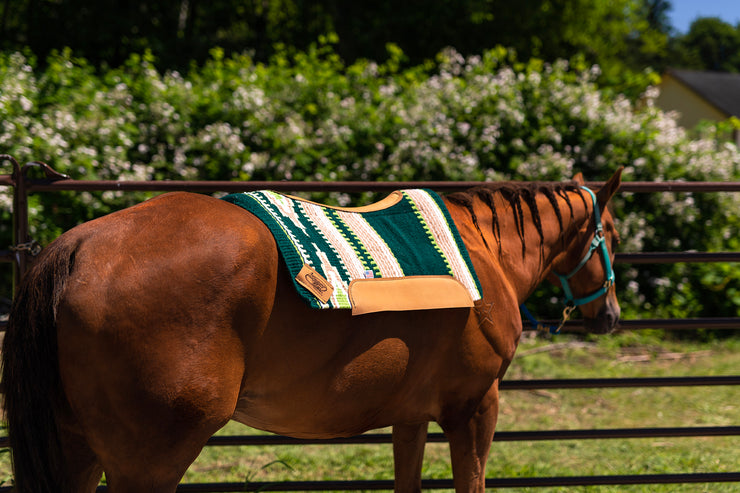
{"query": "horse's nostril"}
[(614, 316)]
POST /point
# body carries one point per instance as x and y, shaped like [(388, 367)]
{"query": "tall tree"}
[(656, 14), (710, 44), (179, 31)]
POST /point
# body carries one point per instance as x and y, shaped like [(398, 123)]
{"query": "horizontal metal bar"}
[(500, 436), (616, 433), (341, 186), (714, 323), (625, 479), (675, 257), (592, 383), (243, 186), (438, 484), (681, 323), (345, 186)]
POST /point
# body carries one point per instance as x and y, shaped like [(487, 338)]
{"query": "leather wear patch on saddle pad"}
[(409, 234)]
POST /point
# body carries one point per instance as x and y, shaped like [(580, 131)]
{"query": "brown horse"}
[(136, 336)]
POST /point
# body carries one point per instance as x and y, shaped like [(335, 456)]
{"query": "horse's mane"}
[(516, 193)]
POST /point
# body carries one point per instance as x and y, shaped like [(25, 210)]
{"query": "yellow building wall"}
[(674, 96)]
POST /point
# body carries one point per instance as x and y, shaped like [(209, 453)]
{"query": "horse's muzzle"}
[(605, 322)]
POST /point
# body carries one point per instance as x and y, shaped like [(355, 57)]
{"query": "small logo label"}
[(315, 283), (318, 284), (369, 274)]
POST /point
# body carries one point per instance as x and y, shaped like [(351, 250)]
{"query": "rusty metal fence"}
[(24, 248)]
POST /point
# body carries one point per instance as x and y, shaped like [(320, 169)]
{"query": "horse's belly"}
[(312, 420), (297, 428), (315, 421), (352, 394)]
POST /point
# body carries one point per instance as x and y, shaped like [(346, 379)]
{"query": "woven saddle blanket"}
[(402, 253)]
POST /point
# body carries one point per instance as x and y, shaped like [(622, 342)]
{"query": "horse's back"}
[(179, 244)]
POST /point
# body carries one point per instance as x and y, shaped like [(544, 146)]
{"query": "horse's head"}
[(586, 270)]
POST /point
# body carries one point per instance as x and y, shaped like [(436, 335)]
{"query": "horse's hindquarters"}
[(150, 361)]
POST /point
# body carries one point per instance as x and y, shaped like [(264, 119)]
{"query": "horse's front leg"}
[(470, 442), (408, 454)]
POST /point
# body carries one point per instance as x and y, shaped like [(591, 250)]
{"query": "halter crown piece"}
[(598, 243)]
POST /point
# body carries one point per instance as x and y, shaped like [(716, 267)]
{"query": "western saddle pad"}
[(402, 253)]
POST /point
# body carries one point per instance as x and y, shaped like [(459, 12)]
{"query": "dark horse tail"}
[(30, 374)]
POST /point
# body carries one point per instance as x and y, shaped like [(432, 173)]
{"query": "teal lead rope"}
[(552, 328)]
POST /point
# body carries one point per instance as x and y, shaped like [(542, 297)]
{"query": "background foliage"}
[(309, 116), (619, 35), (227, 89), (181, 31)]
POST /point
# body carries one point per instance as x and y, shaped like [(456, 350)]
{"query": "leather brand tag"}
[(315, 283)]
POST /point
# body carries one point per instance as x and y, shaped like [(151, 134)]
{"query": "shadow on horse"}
[(136, 336)]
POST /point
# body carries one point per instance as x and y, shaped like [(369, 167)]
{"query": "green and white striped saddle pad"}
[(409, 237)]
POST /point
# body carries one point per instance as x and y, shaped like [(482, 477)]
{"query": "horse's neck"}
[(527, 264), (530, 268)]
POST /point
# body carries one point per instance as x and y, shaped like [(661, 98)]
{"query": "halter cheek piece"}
[(598, 243)]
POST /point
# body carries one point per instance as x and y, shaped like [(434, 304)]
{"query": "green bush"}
[(309, 116)]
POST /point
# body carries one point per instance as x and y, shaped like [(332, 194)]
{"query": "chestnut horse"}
[(136, 336)]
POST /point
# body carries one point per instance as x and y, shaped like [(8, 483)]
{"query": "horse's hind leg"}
[(150, 444), (82, 468), (148, 413), (163, 475), (154, 458), (408, 455)]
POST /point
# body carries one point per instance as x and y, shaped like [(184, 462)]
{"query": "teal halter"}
[(598, 243)]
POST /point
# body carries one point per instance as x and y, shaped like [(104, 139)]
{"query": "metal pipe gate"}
[(24, 247)]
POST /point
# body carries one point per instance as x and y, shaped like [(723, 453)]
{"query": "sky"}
[(684, 12)]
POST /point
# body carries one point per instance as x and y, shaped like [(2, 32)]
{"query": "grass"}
[(627, 355)]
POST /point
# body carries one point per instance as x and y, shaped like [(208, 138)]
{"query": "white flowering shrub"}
[(310, 117)]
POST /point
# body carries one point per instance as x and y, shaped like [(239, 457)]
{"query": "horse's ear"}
[(578, 178), (609, 188)]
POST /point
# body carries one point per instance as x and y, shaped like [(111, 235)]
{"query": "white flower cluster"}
[(475, 118)]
